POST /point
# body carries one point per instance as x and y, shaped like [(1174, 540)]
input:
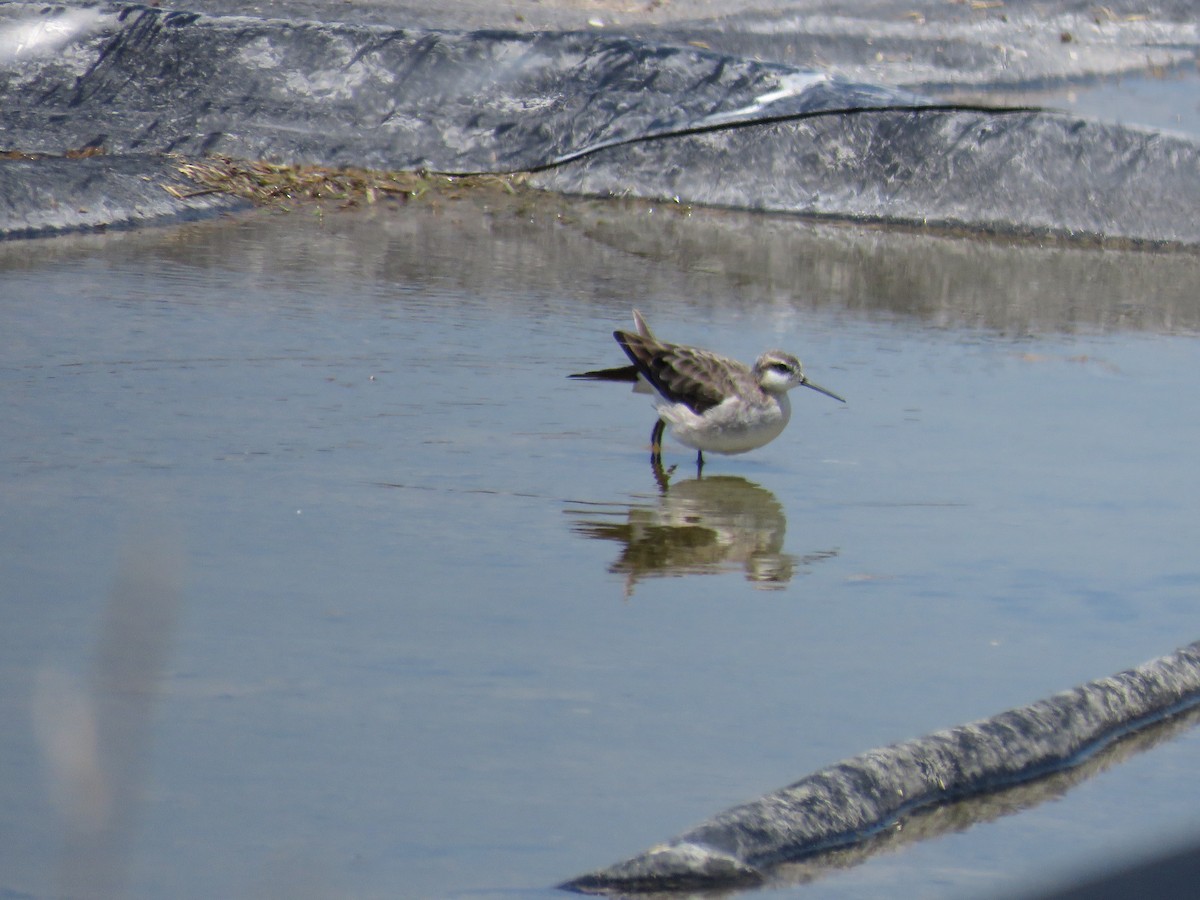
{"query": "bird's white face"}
[(778, 372)]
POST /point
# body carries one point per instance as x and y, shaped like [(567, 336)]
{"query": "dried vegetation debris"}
[(78, 153), (266, 182)]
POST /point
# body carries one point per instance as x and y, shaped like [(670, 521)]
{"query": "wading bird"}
[(710, 402)]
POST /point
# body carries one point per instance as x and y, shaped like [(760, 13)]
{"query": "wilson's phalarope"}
[(710, 402)]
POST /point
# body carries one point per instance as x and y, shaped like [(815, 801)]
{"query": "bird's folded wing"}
[(696, 378)]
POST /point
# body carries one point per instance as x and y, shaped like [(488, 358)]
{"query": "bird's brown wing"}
[(697, 378)]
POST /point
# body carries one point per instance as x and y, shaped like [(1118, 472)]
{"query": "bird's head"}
[(778, 372)]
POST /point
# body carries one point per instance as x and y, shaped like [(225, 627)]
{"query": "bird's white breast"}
[(733, 426)]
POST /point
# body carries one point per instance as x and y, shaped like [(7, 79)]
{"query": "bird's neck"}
[(785, 405)]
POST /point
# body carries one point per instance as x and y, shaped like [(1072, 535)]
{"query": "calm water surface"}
[(425, 626)]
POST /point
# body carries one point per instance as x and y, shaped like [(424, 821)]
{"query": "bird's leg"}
[(660, 475), (656, 440), (699, 462)]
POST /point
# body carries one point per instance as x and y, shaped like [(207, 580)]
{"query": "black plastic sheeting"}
[(854, 800), (588, 112), (44, 197), (1024, 173), (144, 80)]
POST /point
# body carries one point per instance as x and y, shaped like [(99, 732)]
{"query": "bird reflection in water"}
[(702, 526)]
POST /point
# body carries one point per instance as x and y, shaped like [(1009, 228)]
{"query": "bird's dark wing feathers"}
[(681, 374), (624, 373)]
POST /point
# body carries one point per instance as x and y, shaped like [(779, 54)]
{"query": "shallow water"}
[(437, 632), (1167, 101)]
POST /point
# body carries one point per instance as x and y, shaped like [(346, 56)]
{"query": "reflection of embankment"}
[(538, 244), (942, 782), (1015, 288)]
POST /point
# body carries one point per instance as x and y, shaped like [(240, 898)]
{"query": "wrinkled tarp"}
[(855, 799), (41, 197), (1018, 173), (141, 80), (589, 111), (917, 44)]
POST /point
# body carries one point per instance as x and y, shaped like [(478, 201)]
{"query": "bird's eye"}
[(782, 368)]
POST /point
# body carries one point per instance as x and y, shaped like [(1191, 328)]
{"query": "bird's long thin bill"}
[(826, 391)]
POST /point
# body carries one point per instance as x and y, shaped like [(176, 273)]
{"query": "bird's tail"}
[(627, 374)]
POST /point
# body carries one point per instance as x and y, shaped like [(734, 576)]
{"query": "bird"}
[(710, 402)]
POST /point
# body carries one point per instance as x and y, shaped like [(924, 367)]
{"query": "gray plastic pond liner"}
[(42, 197), (858, 798), (590, 112), (1019, 173), (141, 80)]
